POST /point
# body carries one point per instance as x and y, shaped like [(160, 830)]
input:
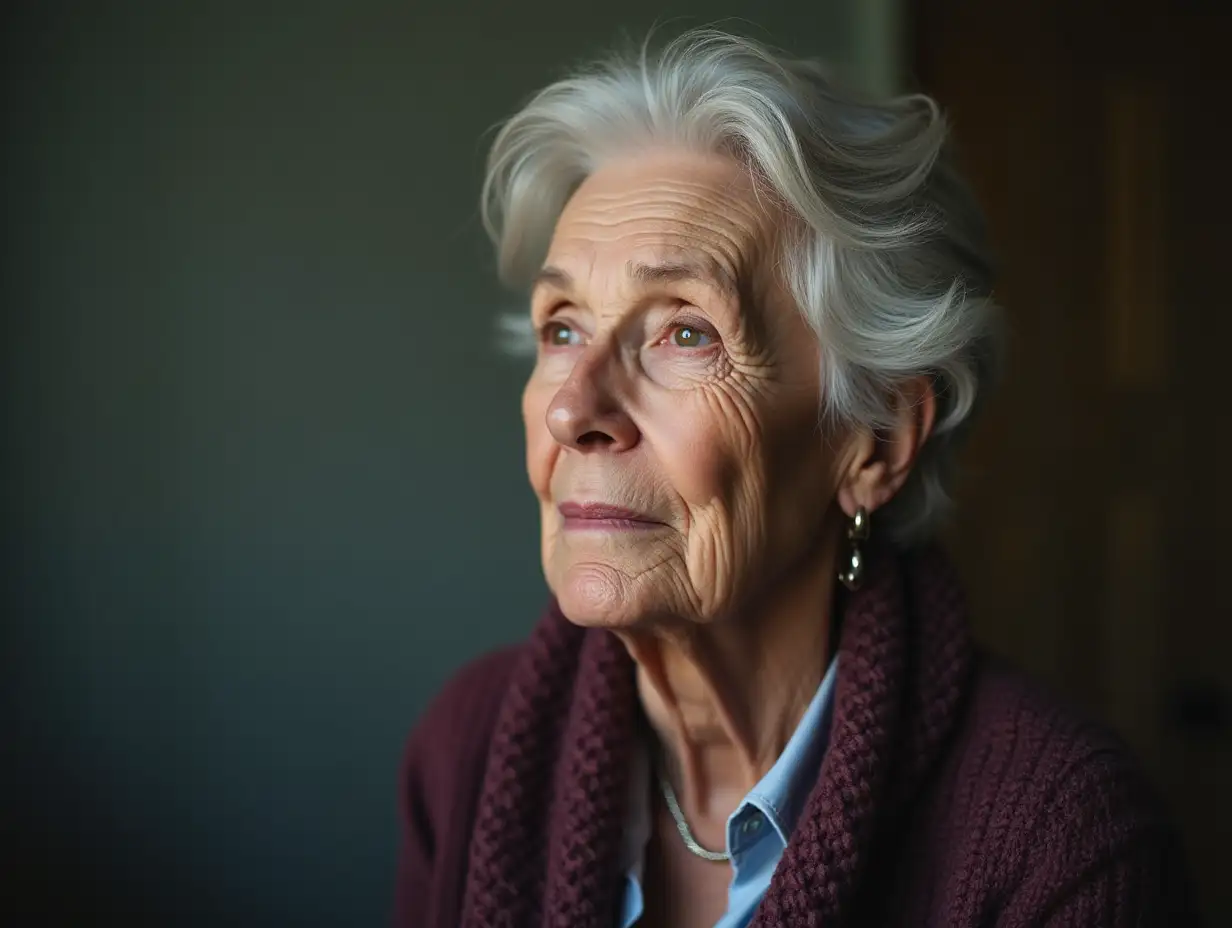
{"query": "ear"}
[(879, 462)]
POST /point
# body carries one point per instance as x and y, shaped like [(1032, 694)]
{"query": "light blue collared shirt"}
[(758, 831)]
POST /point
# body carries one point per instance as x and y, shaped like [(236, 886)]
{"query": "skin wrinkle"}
[(677, 204), (725, 607)]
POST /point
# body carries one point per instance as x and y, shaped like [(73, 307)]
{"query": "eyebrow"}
[(706, 272), (703, 272), (561, 280)]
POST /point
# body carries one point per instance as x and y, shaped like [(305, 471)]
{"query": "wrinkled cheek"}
[(699, 463), (541, 448), (549, 552), (713, 459), (540, 460), (541, 453), (715, 559)]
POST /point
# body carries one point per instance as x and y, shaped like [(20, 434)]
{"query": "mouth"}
[(602, 517)]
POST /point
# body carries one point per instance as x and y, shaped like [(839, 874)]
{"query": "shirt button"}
[(752, 825)]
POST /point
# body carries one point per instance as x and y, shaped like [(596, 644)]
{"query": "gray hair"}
[(888, 264)]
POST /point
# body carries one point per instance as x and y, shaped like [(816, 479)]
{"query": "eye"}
[(689, 336), (559, 335)]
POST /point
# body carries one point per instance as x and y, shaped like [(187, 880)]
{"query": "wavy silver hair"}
[(888, 264)]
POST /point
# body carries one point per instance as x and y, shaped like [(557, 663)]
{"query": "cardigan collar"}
[(547, 835)]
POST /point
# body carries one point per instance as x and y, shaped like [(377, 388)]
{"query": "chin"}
[(596, 596)]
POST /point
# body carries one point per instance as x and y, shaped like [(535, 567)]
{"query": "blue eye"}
[(687, 336)]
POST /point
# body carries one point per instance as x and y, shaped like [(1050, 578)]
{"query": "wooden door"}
[(1094, 515)]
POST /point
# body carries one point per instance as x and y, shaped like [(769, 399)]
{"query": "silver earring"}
[(857, 532)]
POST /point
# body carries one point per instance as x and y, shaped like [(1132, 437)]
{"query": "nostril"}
[(594, 437)]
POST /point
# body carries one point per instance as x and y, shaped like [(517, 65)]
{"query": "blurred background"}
[(262, 475)]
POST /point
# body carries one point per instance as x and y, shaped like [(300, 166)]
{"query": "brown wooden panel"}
[(1094, 519)]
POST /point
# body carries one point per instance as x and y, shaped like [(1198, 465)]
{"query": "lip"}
[(604, 516)]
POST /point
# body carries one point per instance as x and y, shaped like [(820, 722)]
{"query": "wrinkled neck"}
[(724, 698)]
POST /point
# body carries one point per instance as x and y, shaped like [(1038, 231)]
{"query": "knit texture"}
[(953, 792)]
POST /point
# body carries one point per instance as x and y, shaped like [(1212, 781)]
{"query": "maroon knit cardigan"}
[(953, 793)]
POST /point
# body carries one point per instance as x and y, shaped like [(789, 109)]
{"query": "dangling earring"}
[(857, 532)]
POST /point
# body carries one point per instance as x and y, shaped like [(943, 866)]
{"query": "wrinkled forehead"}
[(666, 217)]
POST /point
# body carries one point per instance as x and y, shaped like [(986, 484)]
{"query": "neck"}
[(724, 698)]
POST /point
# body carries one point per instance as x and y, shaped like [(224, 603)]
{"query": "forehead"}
[(682, 211)]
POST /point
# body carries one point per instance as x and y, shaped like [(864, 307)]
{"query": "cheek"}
[(705, 447), (541, 448), (800, 483), (750, 469)]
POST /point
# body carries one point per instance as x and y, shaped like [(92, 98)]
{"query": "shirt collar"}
[(781, 794)]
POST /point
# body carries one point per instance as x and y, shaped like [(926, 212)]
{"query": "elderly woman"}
[(763, 321)]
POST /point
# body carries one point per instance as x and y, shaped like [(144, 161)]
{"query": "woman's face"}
[(672, 415)]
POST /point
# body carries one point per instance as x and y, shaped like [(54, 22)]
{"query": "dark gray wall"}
[(262, 469)]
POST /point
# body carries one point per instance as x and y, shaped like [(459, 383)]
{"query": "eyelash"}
[(546, 330)]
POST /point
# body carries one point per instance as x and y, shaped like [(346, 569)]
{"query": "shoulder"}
[(447, 747), (442, 773), (464, 711), (476, 686), (1045, 758), (1022, 730), (1055, 802)]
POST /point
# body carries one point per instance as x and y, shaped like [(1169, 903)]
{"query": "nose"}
[(585, 414)]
